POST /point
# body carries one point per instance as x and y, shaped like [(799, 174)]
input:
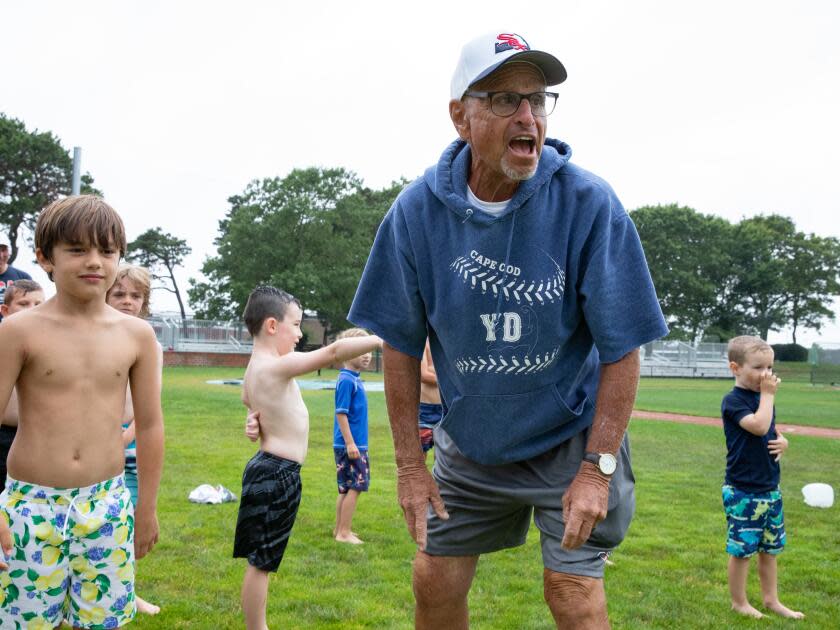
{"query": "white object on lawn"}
[(205, 493), (818, 495)]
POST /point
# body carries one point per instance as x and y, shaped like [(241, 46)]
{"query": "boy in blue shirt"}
[(350, 440), (751, 497)]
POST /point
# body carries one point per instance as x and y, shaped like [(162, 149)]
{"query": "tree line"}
[(35, 169), (310, 233), (717, 279)]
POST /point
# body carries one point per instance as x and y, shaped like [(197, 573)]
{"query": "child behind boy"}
[(751, 497), (130, 294), (20, 296), (430, 412), (271, 486), (350, 440), (66, 526)]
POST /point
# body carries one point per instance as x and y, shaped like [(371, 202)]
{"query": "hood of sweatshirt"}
[(448, 179)]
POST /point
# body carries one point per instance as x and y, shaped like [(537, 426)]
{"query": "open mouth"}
[(523, 145)]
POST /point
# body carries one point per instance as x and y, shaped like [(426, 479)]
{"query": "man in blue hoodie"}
[(528, 277)]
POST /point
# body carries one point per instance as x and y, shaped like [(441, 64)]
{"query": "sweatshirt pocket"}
[(498, 429)]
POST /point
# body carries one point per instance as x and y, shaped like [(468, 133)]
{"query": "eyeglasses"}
[(506, 104)]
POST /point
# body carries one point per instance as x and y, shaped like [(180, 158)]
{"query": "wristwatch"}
[(605, 462)]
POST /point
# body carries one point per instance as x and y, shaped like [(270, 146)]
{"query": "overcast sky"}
[(730, 107)]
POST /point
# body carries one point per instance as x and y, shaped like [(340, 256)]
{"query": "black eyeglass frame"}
[(490, 95)]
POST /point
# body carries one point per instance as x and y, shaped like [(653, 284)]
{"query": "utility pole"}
[(77, 170)]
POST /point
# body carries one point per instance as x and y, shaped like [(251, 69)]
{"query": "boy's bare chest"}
[(79, 357)]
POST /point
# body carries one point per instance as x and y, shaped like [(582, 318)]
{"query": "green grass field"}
[(669, 573)]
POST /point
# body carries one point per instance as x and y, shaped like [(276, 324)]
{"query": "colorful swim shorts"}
[(429, 416), (73, 557), (352, 474), (427, 439), (755, 522)]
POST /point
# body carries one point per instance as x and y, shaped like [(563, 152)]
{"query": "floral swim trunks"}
[(73, 556), (352, 474)]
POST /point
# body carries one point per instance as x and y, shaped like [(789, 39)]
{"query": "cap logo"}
[(510, 41)]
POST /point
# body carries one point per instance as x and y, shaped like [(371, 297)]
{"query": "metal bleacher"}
[(198, 335), (678, 358)]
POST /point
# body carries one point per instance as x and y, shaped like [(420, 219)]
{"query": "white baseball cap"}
[(488, 52)]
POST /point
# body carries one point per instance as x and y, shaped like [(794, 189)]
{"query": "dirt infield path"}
[(715, 422)]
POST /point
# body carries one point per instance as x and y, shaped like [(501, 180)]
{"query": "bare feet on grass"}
[(780, 609), (147, 608), (747, 609), (351, 539), (335, 532)]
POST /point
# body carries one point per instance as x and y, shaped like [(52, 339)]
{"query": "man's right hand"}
[(252, 426), (416, 488), (353, 451)]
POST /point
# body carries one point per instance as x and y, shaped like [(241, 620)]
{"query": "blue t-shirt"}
[(520, 308), (8, 278), (749, 465), (351, 399)]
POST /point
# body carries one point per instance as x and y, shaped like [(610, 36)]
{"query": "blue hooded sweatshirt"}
[(520, 308)]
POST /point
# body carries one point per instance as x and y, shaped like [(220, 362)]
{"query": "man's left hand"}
[(584, 505)]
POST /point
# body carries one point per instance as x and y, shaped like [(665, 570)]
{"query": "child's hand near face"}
[(778, 446), (769, 382)]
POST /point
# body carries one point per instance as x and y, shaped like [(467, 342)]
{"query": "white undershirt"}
[(494, 208)]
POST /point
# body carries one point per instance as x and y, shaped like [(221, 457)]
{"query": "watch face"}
[(607, 463)]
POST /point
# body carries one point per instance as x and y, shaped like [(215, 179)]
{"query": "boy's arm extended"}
[(349, 442), (759, 422), (297, 363), (145, 379), (11, 364)]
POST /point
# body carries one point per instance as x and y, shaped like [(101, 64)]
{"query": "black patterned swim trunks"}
[(271, 490)]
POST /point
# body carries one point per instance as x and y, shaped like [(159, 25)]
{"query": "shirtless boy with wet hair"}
[(67, 528), (271, 487)]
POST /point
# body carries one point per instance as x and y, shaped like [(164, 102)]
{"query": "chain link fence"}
[(825, 363)]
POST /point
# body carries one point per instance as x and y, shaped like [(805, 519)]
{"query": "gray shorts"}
[(490, 506)]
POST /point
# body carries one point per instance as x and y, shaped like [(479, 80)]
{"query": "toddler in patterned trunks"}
[(271, 486), (751, 497), (350, 440), (68, 531)]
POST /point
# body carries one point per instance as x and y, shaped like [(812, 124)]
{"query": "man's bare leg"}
[(254, 595), (767, 575), (441, 586), (576, 601), (738, 569)]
